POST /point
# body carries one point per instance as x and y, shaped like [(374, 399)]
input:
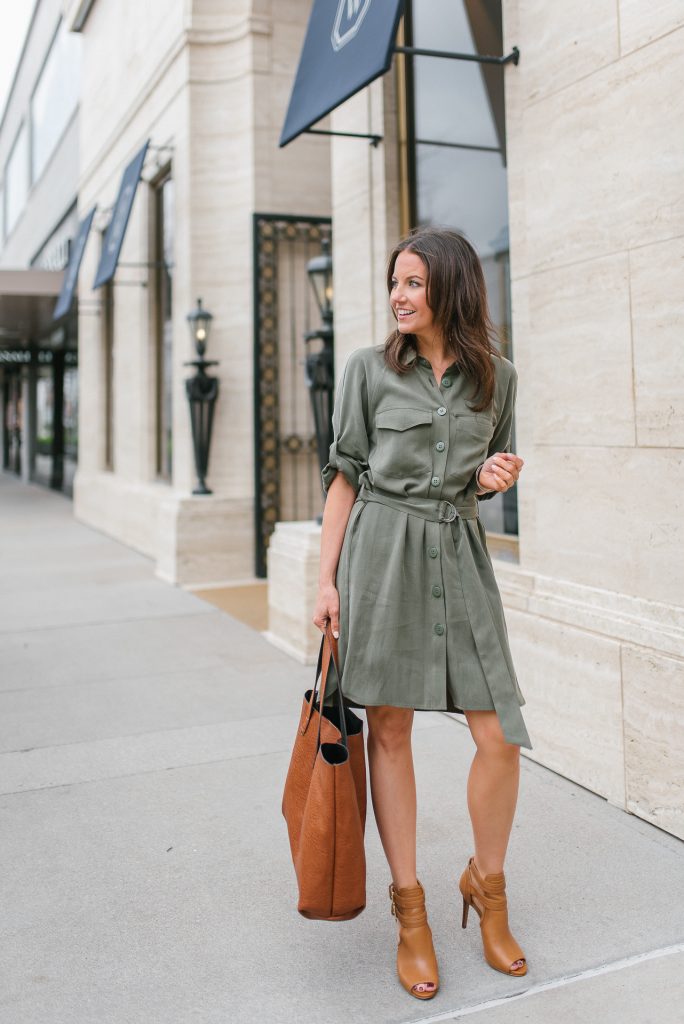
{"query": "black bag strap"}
[(322, 670)]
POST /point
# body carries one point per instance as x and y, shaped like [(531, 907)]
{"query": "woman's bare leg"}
[(393, 788), (393, 791), (492, 791)]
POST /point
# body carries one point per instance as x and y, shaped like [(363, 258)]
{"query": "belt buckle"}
[(449, 514)]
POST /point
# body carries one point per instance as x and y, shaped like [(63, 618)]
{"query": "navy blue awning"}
[(116, 231), (348, 44), (71, 274)]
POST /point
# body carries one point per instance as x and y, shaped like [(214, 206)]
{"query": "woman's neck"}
[(432, 348)]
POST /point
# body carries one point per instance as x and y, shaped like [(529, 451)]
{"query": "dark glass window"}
[(458, 126), (108, 342), (164, 325)]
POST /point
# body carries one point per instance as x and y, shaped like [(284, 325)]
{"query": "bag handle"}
[(327, 655), (312, 698)]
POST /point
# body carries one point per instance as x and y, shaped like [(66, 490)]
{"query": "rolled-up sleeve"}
[(349, 450), (501, 440)]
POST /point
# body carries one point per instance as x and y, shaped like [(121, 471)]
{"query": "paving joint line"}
[(143, 771), (553, 983)]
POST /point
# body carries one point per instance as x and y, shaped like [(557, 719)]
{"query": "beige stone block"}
[(561, 44), (293, 569), (641, 23), (570, 680), (632, 620), (205, 539), (577, 344), (657, 287), (193, 540), (654, 737), (124, 509), (592, 181), (606, 517)]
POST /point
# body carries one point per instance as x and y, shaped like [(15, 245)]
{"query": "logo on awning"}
[(348, 44), (350, 14)]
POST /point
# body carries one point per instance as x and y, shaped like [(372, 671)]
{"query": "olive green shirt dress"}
[(421, 619)]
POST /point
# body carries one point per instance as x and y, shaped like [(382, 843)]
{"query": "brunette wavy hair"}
[(457, 295)]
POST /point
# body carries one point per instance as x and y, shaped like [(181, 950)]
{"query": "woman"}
[(422, 430)]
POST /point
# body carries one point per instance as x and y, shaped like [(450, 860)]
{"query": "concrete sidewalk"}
[(144, 864)]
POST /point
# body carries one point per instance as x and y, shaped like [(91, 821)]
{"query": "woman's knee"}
[(389, 726), (487, 733)]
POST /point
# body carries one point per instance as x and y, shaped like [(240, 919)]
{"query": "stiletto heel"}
[(487, 896), (416, 960)]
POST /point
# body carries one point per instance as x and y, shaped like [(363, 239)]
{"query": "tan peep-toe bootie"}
[(416, 960), (488, 896)]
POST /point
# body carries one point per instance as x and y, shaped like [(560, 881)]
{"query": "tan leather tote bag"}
[(324, 802)]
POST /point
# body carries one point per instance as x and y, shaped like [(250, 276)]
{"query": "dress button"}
[(433, 552), (440, 446), (441, 411), (439, 629), (446, 382), (436, 481), (436, 591)]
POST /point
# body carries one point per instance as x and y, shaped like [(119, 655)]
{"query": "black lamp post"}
[(202, 392), (320, 368)]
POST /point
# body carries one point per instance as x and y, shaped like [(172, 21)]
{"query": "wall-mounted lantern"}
[(320, 366), (202, 392)]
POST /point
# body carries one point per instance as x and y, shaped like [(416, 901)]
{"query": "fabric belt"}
[(437, 510)]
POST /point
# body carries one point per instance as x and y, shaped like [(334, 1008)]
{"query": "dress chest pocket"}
[(478, 424), (403, 442), (471, 434)]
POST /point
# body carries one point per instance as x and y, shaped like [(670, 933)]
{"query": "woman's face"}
[(408, 297)]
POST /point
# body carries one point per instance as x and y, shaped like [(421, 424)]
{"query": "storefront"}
[(39, 134), (38, 381)]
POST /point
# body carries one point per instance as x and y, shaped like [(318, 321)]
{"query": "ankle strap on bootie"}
[(491, 889), (408, 905)]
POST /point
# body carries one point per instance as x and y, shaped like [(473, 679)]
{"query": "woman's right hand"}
[(327, 609)]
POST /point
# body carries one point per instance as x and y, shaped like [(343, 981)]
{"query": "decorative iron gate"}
[(287, 471)]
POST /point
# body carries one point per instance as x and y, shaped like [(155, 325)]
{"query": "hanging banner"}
[(116, 231), (348, 44), (74, 265)]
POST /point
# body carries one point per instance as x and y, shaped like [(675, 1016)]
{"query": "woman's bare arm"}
[(338, 505)]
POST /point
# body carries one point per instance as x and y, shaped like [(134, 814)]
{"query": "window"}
[(16, 179), (457, 122), (163, 260), (108, 341), (55, 97)]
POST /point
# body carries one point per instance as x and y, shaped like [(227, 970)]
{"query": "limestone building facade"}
[(565, 170)]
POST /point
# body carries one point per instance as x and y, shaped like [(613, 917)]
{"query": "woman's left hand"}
[(500, 471)]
